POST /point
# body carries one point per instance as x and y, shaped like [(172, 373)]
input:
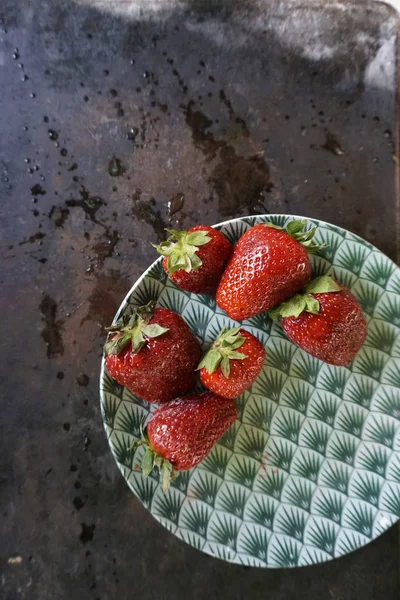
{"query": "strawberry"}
[(195, 259), (181, 433), (153, 353), (228, 372), (326, 321), (267, 266)]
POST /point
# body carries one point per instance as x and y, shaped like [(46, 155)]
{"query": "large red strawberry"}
[(228, 372), (195, 259), (153, 353), (326, 321), (181, 433), (267, 266)]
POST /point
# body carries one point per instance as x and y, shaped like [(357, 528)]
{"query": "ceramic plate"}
[(311, 468)]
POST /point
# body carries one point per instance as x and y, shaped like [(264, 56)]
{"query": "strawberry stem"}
[(223, 351), (152, 459), (181, 249), (296, 229), (305, 302), (133, 329)]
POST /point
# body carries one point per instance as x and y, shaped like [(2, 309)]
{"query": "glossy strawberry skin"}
[(214, 256), (336, 334), (266, 267), (184, 431), (165, 367), (242, 372)]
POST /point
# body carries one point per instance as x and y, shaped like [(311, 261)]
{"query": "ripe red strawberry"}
[(228, 372), (181, 433), (195, 259), (267, 266), (326, 321), (153, 353)]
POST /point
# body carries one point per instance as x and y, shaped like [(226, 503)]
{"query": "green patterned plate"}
[(311, 468)]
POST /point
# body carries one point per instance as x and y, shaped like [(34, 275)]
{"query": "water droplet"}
[(132, 133), (20, 65), (32, 95), (63, 152), (53, 135), (145, 74), (176, 204), (25, 128), (115, 167), (37, 190), (24, 78), (27, 160), (15, 55), (46, 119)]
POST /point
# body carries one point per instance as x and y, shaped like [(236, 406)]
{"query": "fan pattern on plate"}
[(311, 469)]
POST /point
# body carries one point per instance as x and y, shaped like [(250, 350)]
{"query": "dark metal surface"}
[(119, 119)]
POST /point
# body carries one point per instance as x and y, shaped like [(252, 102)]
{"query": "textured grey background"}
[(239, 106)]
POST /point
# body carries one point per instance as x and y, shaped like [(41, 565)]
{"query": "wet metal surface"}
[(120, 119)]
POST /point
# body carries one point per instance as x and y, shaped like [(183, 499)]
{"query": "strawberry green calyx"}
[(133, 328), (152, 459), (322, 285), (296, 230), (223, 351), (181, 250), (305, 302)]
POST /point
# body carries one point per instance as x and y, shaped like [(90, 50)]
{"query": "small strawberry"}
[(195, 259), (228, 372), (181, 433), (267, 266), (326, 321), (153, 353)]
